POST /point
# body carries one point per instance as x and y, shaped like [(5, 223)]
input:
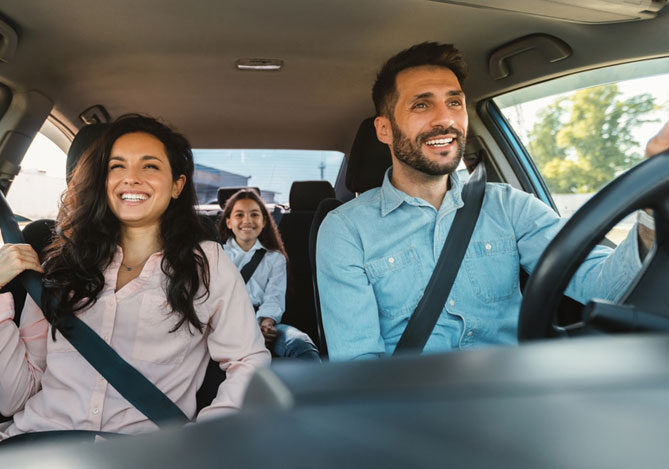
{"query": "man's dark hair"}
[(384, 92)]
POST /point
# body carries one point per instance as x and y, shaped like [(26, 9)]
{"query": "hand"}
[(14, 259), (659, 142), (268, 330)]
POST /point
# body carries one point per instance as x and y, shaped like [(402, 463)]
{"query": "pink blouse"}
[(48, 385)]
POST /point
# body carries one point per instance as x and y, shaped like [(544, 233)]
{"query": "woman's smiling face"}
[(140, 183)]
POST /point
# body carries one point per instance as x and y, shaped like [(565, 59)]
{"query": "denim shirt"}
[(376, 253)]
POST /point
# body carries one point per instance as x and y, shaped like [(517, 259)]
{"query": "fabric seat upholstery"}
[(365, 167), (294, 228)]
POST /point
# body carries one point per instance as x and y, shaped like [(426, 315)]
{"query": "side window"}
[(584, 130), (36, 190)]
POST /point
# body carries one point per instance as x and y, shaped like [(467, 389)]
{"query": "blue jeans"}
[(293, 343)]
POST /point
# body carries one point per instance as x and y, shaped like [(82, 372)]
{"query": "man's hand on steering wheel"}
[(641, 306), (656, 145)]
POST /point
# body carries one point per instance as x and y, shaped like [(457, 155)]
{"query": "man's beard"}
[(410, 153)]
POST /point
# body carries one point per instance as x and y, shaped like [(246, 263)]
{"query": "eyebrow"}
[(429, 94), (145, 157)]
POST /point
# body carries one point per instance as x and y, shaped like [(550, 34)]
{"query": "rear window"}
[(272, 171)]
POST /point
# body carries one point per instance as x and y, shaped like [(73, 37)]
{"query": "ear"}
[(384, 131), (178, 186), (227, 223)]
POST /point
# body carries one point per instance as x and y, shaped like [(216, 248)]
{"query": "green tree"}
[(582, 142)]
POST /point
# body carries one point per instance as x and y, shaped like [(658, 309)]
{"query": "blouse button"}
[(488, 246), (391, 260)]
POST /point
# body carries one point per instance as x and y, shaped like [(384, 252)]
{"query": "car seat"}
[(366, 164), (294, 228)]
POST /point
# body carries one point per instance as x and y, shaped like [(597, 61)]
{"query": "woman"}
[(246, 228), (131, 260)]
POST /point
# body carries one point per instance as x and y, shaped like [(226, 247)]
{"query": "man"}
[(377, 252)]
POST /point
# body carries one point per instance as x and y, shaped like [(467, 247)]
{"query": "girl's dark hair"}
[(384, 92), (87, 232), (269, 236)]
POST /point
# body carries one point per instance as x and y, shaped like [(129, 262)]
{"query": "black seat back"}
[(321, 211), (365, 167), (294, 228)]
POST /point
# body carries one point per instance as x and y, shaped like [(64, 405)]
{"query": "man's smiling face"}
[(428, 127)]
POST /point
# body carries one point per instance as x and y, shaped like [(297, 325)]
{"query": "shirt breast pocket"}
[(394, 278), (153, 341), (492, 268)]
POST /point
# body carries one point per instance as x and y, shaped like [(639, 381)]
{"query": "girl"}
[(245, 228), (131, 260)]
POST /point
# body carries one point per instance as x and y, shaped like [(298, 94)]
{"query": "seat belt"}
[(251, 266), (130, 383), (424, 318)]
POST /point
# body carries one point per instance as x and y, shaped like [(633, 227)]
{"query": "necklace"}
[(128, 268)]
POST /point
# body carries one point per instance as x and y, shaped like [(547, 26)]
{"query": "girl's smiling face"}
[(246, 222)]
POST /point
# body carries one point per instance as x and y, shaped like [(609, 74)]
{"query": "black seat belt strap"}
[(130, 383), (424, 318), (251, 266)]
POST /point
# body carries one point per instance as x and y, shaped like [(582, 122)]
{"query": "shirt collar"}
[(147, 270), (233, 244), (392, 197)]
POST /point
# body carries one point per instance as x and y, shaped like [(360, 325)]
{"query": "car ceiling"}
[(175, 59)]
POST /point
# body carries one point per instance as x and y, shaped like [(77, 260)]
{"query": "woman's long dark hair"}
[(269, 236), (88, 232)]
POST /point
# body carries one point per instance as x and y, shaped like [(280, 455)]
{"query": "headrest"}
[(368, 160), (86, 136), (306, 195), (224, 193), (39, 234)]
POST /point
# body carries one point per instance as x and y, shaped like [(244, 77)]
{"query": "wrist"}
[(643, 218)]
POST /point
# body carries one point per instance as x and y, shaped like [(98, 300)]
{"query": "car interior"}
[(586, 387)]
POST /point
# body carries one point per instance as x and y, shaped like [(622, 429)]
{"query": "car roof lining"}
[(175, 60)]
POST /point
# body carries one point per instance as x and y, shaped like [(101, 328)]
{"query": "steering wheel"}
[(644, 186)]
